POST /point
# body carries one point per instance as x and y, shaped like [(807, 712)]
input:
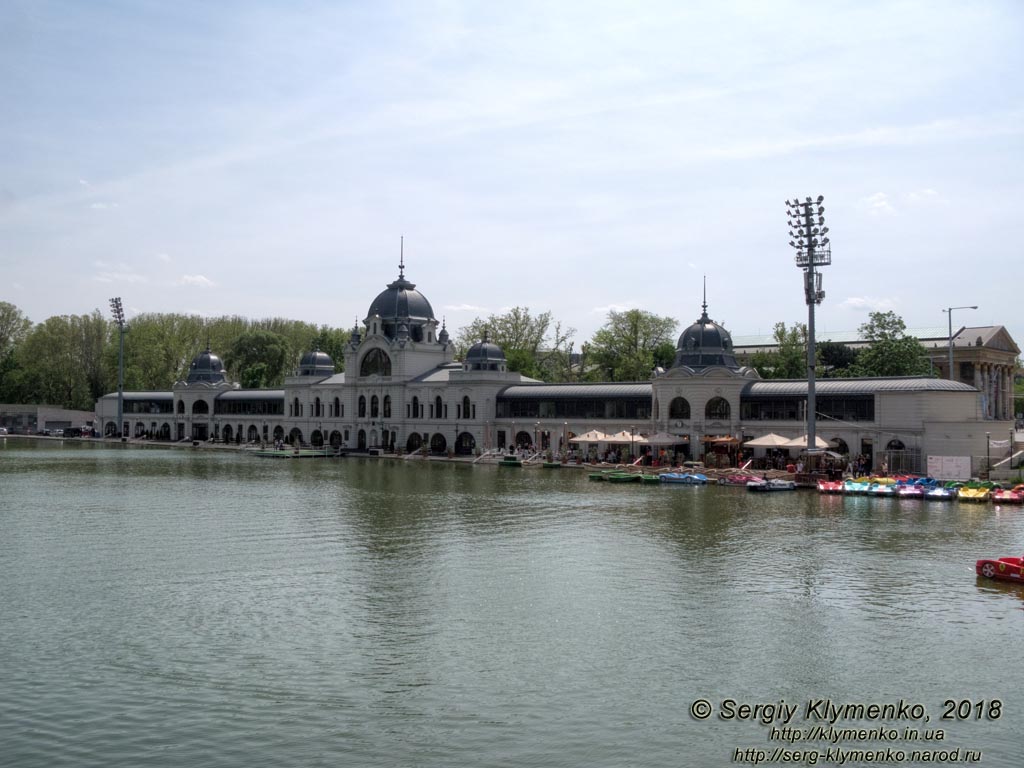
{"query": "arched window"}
[(181, 407), (717, 409), (375, 363), (296, 407), (362, 406), (415, 407), (465, 407), (679, 408), (387, 406), (374, 407), (841, 446), (895, 445), (438, 412), (200, 408), (337, 407), (317, 407)]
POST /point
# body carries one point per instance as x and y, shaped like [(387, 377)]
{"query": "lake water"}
[(178, 608)]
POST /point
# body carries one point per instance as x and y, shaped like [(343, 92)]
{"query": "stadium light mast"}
[(118, 311), (808, 230)]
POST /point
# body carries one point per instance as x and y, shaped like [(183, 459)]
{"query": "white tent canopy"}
[(662, 438), (593, 436), (801, 442), (771, 440), (623, 437)]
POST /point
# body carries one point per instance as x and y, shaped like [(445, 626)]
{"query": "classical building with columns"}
[(403, 391)]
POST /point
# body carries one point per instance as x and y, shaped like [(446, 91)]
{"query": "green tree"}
[(625, 346), (259, 359), (892, 352), (789, 361), (14, 327), (835, 360), (535, 345), (58, 360)]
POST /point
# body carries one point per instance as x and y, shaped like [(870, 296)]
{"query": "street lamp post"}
[(632, 436), (988, 454), (118, 311), (808, 230), (949, 313)]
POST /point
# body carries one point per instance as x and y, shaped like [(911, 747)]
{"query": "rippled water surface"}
[(190, 608)]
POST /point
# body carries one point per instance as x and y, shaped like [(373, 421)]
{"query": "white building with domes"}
[(403, 391)]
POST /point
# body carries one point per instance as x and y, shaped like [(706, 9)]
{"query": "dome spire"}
[(401, 258), (704, 319)]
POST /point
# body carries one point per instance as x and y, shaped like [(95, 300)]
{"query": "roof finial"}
[(207, 342), (401, 258), (485, 334), (704, 315)]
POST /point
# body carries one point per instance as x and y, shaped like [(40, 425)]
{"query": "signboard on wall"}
[(949, 467)]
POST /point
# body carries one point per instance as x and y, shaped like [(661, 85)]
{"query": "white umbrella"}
[(593, 436), (771, 440), (662, 438), (801, 442), (622, 437)]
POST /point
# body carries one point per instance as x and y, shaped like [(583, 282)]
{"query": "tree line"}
[(71, 360)]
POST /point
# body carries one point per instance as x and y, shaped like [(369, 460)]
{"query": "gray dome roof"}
[(207, 367), (401, 301), (485, 351), (316, 363), (705, 343)]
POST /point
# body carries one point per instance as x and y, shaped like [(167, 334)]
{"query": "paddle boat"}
[(830, 486), (739, 479), (1014, 495), (882, 489), (762, 486), (856, 487), (650, 480), (685, 478), (911, 491), (624, 477), (973, 494), (1001, 569), (939, 493), (510, 460)]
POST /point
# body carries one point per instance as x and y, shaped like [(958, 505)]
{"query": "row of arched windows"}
[(717, 409), (375, 407)]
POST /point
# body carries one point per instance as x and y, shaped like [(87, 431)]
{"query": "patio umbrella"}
[(623, 437), (771, 440), (801, 442), (593, 436), (662, 438)]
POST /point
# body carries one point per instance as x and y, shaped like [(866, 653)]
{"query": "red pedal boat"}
[(830, 486), (1003, 569)]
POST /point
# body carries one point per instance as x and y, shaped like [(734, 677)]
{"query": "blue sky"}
[(264, 159)]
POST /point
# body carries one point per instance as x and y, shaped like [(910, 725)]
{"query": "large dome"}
[(401, 304), (207, 367), (705, 343)]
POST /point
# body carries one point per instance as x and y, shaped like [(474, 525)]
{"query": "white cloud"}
[(200, 281), (101, 206), (463, 308), (878, 205), (868, 303), (119, 277), (84, 183), (613, 308), (164, 257), (924, 196)]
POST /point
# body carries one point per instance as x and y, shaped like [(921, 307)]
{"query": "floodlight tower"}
[(118, 311), (808, 230)]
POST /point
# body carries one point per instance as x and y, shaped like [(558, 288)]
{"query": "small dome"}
[(484, 356), (316, 363), (207, 367)]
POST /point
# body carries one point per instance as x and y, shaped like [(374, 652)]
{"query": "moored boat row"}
[(924, 488)]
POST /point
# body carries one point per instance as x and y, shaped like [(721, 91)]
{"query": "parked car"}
[(3, 430)]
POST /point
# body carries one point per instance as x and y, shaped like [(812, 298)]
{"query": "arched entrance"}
[(110, 429), (295, 436), (465, 444), (278, 433), (317, 439), (165, 431), (523, 440), (414, 443), (361, 440), (253, 435), (335, 439), (228, 433), (438, 444)]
